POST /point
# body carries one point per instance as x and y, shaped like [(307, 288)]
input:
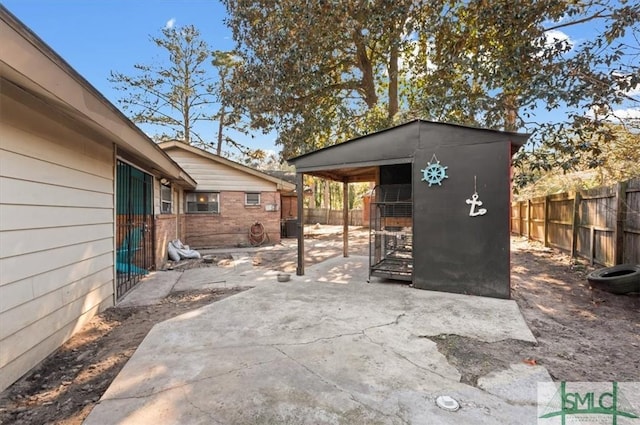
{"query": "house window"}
[(203, 202), (252, 199), (165, 198)]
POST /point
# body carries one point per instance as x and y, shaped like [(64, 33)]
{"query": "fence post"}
[(520, 219), (618, 232), (592, 244), (575, 225), (528, 218), (545, 223)]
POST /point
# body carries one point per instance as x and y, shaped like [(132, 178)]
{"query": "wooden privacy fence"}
[(333, 217), (601, 224)]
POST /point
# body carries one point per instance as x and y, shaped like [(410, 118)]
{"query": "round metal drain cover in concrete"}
[(447, 403)]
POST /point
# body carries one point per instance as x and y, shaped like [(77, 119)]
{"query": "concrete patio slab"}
[(310, 351), (151, 289)]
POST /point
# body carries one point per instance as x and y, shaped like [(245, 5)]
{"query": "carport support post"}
[(345, 217), (300, 199)]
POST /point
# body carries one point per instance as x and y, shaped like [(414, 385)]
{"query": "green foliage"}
[(321, 71), (314, 71), (175, 94), (181, 90), (328, 194), (229, 117), (619, 160)]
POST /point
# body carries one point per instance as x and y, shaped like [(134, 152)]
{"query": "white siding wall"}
[(156, 196), (56, 233), (218, 177)]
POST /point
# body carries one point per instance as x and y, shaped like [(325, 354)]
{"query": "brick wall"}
[(166, 229), (182, 229), (231, 227)]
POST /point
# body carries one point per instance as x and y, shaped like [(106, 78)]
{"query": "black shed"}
[(440, 209)]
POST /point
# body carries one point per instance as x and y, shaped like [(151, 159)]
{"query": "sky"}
[(98, 36)]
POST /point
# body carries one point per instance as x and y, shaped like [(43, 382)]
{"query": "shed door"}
[(134, 226)]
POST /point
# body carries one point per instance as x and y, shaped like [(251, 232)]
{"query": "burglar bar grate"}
[(134, 226)]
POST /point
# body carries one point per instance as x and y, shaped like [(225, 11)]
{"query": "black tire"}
[(620, 279)]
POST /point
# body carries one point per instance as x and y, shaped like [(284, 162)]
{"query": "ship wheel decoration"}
[(434, 172)]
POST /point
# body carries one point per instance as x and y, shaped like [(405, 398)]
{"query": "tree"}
[(318, 70), (228, 116), (619, 161), (323, 71), (527, 65), (171, 96)]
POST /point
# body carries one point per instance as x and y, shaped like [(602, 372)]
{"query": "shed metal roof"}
[(358, 159)]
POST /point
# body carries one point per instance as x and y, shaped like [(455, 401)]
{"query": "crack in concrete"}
[(176, 282), (324, 338), (339, 388), (195, 406), (382, 345)]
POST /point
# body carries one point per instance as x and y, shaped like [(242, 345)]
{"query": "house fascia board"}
[(30, 63), (281, 184)]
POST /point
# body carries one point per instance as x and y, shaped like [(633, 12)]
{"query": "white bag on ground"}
[(177, 251)]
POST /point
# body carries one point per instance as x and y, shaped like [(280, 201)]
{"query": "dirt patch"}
[(583, 334), (64, 388), (474, 358)]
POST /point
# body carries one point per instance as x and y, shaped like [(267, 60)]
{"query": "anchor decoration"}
[(475, 202)]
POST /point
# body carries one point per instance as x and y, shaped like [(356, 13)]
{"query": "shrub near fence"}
[(601, 224)]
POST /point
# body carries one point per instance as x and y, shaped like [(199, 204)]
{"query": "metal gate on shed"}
[(134, 226)]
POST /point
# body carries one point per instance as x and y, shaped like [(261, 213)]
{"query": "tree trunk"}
[(186, 105), (326, 195), (363, 62), (395, 40), (318, 192), (511, 113), (393, 81), (187, 129), (220, 131)]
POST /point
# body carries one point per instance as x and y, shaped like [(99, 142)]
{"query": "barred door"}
[(134, 226)]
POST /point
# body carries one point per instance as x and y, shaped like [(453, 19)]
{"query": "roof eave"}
[(280, 183), (49, 76), (517, 138)]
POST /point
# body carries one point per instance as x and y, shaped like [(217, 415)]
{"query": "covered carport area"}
[(349, 162), (345, 176)]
